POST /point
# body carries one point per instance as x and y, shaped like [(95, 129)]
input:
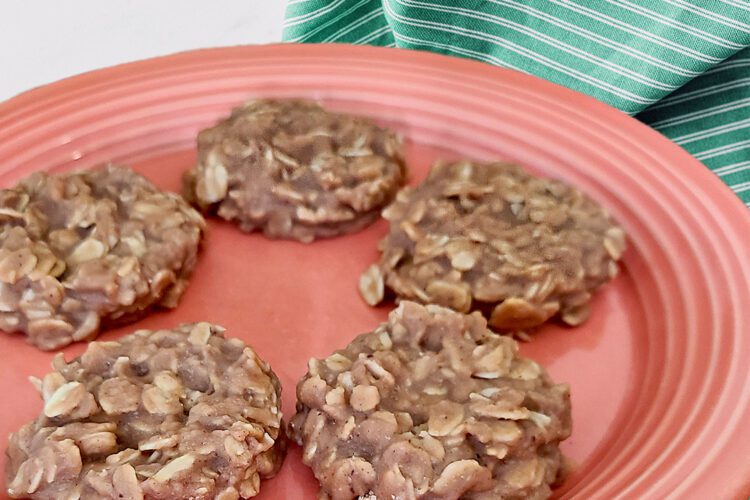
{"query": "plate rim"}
[(22, 99)]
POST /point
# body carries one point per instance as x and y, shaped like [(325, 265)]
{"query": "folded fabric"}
[(680, 66)]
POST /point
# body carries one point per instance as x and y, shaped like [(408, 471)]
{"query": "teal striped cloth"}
[(680, 66)]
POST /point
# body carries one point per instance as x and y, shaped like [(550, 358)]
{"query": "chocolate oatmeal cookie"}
[(84, 250), (431, 405), (294, 170), (166, 414), (491, 237)]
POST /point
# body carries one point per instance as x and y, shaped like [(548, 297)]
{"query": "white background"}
[(44, 40)]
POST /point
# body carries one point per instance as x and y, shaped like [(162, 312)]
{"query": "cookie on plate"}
[(295, 170), (431, 405), (494, 238), (179, 414), (84, 250)]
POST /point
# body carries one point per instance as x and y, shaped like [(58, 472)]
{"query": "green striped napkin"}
[(680, 66)]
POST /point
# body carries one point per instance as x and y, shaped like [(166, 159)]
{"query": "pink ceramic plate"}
[(660, 374)]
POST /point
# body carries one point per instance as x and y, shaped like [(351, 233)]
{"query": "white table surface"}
[(44, 40)]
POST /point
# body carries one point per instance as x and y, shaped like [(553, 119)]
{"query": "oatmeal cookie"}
[(431, 405), (494, 238), (84, 250), (294, 170), (166, 414)]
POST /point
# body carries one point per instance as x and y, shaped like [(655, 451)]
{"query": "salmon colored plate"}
[(660, 373)]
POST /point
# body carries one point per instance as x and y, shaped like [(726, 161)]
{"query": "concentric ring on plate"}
[(677, 427)]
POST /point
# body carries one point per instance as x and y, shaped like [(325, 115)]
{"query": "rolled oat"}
[(294, 170), (178, 414), (493, 238), (81, 251), (431, 405)]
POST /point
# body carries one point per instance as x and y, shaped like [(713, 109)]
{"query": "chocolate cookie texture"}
[(294, 170), (494, 238), (431, 405), (168, 414), (84, 250)]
